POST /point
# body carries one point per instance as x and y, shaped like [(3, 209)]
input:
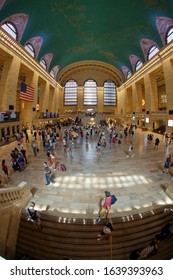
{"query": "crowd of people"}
[(104, 136)]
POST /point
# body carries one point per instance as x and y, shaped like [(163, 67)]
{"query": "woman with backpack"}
[(106, 205)]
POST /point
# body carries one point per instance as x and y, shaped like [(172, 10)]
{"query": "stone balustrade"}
[(12, 204), (14, 193)]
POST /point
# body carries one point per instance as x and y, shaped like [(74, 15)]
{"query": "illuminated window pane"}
[(139, 64), (52, 74), (70, 93), (90, 93), (30, 49), (169, 37), (43, 64), (110, 97), (10, 29), (129, 74), (153, 50)]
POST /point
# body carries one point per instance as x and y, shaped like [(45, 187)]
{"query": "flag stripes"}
[(26, 93)]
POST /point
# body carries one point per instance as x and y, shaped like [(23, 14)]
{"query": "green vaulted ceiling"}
[(104, 30)]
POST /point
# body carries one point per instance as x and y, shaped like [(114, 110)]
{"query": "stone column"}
[(51, 104), (44, 96), (168, 76), (8, 83), (151, 94), (137, 97), (100, 99), (27, 111), (80, 98)]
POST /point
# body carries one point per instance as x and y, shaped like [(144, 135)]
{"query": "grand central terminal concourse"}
[(86, 130)]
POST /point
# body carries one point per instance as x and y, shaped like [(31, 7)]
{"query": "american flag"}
[(26, 93)]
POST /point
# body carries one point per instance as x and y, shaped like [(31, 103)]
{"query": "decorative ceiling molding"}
[(36, 42), (163, 25), (146, 44), (87, 69), (19, 21)]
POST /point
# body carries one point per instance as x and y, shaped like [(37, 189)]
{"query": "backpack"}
[(114, 199), (63, 167)]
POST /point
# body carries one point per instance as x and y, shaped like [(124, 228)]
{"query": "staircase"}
[(72, 239)]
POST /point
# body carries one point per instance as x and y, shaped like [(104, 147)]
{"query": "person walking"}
[(34, 147), (34, 216), (130, 149), (167, 164), (47, 173), (157, 141), (5, 169)]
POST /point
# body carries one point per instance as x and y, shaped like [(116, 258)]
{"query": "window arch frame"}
[(43, 63), (129, 74), (137, 67), (89, 99), (71, 97), (30, 49), (167, 36), (151, 50), (14, 30), (111, 96)]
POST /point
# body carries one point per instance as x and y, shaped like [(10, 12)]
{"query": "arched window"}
[(43, 64), (138, 65), (169, 36), (152, 51), (70, 93), (110, 97), (52, 74), (10, 29), (90, 93), (129, 74), (30, 49)]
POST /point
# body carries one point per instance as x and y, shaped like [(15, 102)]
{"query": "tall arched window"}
[(10, 29), (70, 93), (152, 51), (30, 49), (43, 64), (169, 36), (90, 93), (110, 97)]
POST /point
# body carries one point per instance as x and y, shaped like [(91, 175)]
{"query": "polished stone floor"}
[(138, 182)]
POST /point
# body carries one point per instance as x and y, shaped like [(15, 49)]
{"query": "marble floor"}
[(138, 182)]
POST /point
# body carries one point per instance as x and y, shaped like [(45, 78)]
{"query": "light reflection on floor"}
[(80, 189)]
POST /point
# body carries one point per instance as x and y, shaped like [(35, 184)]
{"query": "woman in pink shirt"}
[(106, 205)]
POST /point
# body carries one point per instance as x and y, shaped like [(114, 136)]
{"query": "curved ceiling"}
[(103, 30)]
